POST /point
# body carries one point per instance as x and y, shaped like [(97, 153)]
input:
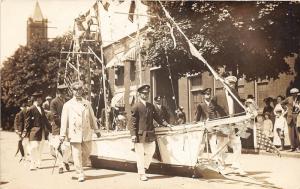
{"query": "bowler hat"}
[(294, 91), (77, 85), (206, 91), (62, 87), (249, 100), (144, 89), (231, 79), (157, 98), (48, 98), (37, 94)]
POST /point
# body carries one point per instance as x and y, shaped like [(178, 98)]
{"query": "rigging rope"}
[(198, 55), (170, 77)]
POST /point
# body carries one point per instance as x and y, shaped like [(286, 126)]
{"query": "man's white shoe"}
[(143, 178), (240, 172), (81, 178), (32, 167)]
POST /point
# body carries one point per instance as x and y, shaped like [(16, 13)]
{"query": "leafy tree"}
[(31, 68), (248, 38)]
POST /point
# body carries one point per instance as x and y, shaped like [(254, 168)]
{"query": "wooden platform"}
[(155, 168)]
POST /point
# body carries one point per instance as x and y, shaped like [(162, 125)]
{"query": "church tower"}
[(37, 25)]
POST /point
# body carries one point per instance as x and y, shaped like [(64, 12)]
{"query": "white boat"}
[(178, 146)]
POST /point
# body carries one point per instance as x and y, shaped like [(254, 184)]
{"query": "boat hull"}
[(155, 167), (178, 147)]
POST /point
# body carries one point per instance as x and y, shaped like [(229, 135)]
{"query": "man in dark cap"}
[(207, 111), (77, 125), (161, 109), (38, 128), (142, 130), (56, 107)]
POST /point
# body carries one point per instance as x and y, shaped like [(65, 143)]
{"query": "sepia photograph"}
[(149, 94)]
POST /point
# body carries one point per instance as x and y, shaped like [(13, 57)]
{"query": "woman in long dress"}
[(280, 126)]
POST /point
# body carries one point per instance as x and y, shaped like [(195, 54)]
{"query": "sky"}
[(60, 15)]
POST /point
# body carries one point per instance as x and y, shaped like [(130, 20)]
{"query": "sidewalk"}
[(284, 153)]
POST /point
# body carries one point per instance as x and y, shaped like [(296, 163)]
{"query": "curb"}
[(262, 152)]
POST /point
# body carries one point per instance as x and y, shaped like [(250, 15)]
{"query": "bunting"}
[(264, 143), (87, 26), (131, 11), (105, 4), (172, 34)]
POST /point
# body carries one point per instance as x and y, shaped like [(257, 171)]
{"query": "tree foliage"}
[(30, 69), (247, 38)]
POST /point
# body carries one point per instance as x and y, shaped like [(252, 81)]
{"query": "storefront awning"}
[(130, 55), (118, 99), (116, 61)]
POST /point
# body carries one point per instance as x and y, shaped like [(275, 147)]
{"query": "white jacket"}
[(78, 120)]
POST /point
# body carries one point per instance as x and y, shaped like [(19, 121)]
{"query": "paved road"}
[(262, 171)]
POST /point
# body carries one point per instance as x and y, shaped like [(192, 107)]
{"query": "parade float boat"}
[(178, 146)]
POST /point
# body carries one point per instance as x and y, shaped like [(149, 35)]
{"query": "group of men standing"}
[(71, 124)]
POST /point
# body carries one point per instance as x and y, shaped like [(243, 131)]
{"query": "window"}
[(119, 75), (132, 71)]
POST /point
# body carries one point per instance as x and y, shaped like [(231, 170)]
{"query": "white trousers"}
[(234, 142), (144, 154), (36, 150), (65, 148), (26, 146), (212, 138), (81, 153), (213, 145)]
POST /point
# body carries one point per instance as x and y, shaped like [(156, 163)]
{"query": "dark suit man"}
[(142, 130), (37, 127), (207, 111), (161, 109), (227, 106), (56, 106), (293, 110)]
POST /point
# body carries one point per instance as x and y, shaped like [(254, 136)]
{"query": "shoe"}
[(60, 170), (81, 178), (240, 172), (225, 171), (32, 167), (143, 178), (292, 150), (38, 165), (67, 166)]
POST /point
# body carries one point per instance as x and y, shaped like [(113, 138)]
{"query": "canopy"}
[(118, 99), (130, 55)]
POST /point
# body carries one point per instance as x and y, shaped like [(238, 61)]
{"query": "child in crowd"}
[(279, 128), (268, 126)]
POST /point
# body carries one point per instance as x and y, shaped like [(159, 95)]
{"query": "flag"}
[(131, 11), (172, 34), (105, 4), (264, 143)]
